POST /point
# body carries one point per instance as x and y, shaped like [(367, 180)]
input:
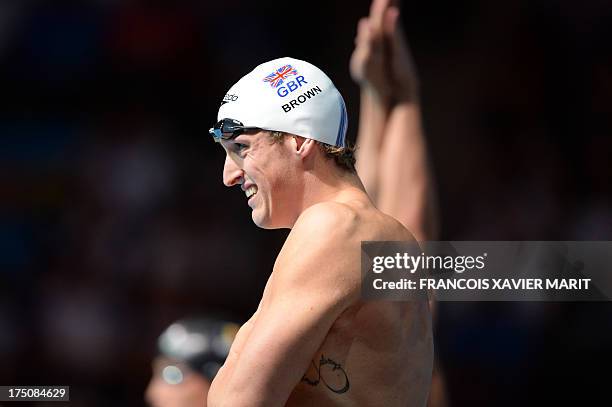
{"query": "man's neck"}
[(331, 185)]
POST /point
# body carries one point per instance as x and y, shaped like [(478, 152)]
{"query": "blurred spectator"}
[(191, 351)]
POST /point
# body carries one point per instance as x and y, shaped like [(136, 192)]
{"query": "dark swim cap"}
[(201, 343)]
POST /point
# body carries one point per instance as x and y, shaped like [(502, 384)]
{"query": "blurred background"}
[(114, 221)]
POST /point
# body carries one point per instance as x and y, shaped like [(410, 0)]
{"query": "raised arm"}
[(392, 153), (368, 69), (296, 313)]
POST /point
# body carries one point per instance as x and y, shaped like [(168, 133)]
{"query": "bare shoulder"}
[(322, 249), (344, 225), (328, 217), (324, 230)]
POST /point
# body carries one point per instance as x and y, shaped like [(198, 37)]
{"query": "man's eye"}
[(240, 147)]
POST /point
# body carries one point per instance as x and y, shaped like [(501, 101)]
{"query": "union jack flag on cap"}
[(277, 77)]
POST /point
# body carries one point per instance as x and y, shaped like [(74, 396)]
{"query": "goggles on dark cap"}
[(197, 345), (227, 129)]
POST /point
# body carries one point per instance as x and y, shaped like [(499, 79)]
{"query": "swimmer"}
[(313, 340)]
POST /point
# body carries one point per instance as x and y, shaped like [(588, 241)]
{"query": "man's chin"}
[(258, 220), (263, 222), (262, 225)]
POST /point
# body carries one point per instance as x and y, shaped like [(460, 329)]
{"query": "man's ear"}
[(305, 147)]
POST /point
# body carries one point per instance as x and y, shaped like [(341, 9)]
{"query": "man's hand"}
[(404, 74), (381, 62), (369, 66)]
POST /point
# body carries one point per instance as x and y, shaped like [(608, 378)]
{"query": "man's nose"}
[(232, 174)]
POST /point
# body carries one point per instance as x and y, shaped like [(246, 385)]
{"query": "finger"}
[(395, 32), (377, 11), (391, 21), (363, 29), (364, 33)]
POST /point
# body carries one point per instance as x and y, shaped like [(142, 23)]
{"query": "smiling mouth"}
[(252, 190)]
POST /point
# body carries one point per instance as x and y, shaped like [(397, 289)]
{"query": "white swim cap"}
[(291, 96)]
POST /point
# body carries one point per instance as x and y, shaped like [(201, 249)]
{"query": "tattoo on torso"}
[(340, 382)]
